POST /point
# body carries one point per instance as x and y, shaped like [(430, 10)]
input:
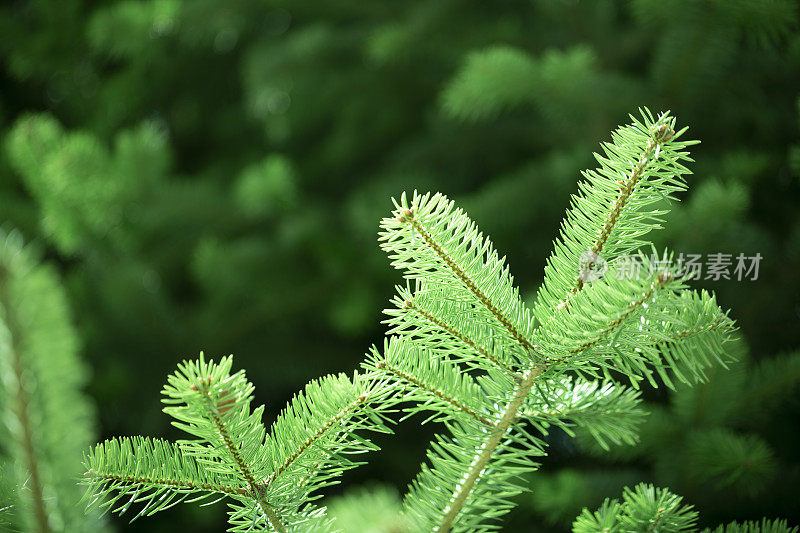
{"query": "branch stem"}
[(418, 383), (509, 416), (408, 215), (255, 488), (352, 406), (172, 483)]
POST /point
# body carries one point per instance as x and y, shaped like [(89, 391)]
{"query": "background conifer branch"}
[(40, 397), (651, 509), (20, 401)]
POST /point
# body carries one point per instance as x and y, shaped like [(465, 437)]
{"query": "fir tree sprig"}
[(464, 313), (459, 327), (268, 478), (430, 384), (643, 508), (618, 203), (606, 411), (435, 242), (754, 526), (209, 402), (155, 472), (655, 510), (463, 348)]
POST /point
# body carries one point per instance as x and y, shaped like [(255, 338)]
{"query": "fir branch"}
[(605, 327), (407, 215), (453, 328), (771, 380), (310, 441), (651, 509), (420, 384), (151, 471), (742, 462), (269, 478), (347, 411), (631, 326), (256, 491), (213, 404), (439, 246), (607, 411), (450, 458), (480, 350), (639, 169), (21, 402), (462, 338), (37, 492), (430, 383), (661, 281), (660, 134)]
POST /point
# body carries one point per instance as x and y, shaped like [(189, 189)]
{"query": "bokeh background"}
[(210, 176)]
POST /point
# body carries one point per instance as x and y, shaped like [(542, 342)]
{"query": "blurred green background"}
[(210, 175)]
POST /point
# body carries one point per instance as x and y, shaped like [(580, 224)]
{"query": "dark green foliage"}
[(277, 130)]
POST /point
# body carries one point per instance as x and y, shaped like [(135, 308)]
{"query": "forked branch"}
[(256, 490)]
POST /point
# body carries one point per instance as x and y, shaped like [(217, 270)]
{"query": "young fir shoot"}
[(267, 478), (462, 348), (468, 351), (650, 509), (644, 508)]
